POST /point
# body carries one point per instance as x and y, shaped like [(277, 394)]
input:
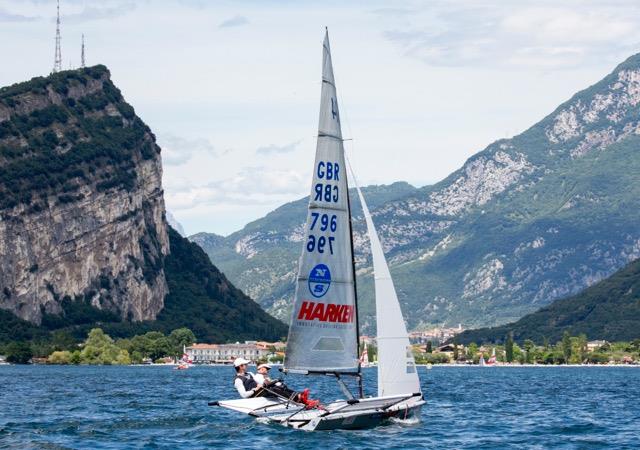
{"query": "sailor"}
[(260, 385), (263, 374), (245, 383)]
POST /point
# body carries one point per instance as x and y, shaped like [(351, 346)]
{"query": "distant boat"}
[(184, 363), (492, 359), (482, 360), (364, 358), (323, 334)]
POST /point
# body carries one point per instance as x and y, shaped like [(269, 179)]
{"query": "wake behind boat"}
[(324, 334)]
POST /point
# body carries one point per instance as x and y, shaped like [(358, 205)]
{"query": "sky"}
[(232, 88)]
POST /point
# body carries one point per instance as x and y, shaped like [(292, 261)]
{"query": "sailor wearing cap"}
[(262, 377), (245, 382), (250, 385)]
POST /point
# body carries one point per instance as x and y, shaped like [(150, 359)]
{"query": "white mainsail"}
[(323, 330), (396, 365)]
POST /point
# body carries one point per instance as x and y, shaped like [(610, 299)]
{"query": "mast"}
[(355, 287)]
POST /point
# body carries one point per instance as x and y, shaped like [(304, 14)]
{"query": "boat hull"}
[(338, 415), (356, 420)]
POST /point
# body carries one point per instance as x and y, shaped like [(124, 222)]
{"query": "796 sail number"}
[(326, 222)]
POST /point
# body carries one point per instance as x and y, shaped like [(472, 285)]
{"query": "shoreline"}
[(529, 365), (417, 365)]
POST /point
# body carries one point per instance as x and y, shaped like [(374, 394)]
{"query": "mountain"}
[(263, 256), (522, 223), (83, 232), (173, 223), (610, 310), (200, 298)]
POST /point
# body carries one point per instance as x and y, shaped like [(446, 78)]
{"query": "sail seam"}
[(344, 281), (330, 136), (328, 82), (332, 208)]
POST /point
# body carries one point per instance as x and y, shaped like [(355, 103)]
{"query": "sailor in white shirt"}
[(245, 382), (250, 385), (262, 377)]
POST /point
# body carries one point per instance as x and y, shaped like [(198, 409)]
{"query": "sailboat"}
[(364, 358), (324, 334), (492, 359)]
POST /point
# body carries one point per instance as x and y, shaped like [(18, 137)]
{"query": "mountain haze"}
[(525, 221)]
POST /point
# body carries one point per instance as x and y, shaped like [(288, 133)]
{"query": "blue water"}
[(467, 407)]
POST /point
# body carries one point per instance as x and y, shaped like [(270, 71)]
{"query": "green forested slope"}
[(607, 310)]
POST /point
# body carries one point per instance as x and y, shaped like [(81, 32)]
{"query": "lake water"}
[(467, 407)]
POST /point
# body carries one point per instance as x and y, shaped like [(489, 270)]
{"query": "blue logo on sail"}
[(319, 280)]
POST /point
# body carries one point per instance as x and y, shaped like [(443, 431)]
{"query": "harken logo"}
[(319, 280), (326, 312)]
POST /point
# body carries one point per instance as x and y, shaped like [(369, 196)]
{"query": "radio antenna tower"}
[(57, 62), (82, 53)]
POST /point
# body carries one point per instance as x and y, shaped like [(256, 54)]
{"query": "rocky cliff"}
[(81, 206), (525, 221), (83, 235)]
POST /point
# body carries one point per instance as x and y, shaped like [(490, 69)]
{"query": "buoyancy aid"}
[(248, 381)]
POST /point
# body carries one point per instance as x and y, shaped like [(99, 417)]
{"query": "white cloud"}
[(250, 186), (6, 16), (235, 21), (178, 150), (273, 149), (471, 34), (91, 13)]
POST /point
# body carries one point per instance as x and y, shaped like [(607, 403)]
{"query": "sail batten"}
[(323, 332)]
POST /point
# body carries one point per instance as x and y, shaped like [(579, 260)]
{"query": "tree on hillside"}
[(529, 347), (472, 351), (581, 347), (99, 348), (429, 347), (508, 348), (18, 353), (180, 338), (566, 346)]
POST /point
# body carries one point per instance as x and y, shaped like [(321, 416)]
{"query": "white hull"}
[(338, 415)]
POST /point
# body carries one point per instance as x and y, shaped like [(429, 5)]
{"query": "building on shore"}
[(592, 346), (435, 335), (226, 353)]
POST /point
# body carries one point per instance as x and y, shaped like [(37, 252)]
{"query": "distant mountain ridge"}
[(609, 310), (527, 220)]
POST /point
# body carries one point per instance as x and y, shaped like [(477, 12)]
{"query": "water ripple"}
[(467, 407)]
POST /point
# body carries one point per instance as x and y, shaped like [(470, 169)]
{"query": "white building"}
[(225, 353)]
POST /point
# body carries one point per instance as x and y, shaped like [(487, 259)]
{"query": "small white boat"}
[(323, 334)]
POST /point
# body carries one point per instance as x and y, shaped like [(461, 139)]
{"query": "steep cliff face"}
[(81, 205)]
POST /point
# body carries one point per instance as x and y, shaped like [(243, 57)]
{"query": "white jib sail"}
[(396, 365), (323, 329)]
